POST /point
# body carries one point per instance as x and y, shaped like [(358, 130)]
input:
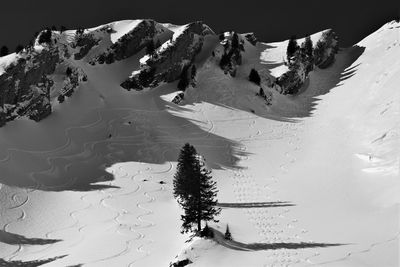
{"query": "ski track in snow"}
[(49, 159), (267, 221), (272, 225)]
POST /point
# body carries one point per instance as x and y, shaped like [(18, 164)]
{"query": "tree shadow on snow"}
[(320, 82), (235, 245), (15, 239), (285, 108), (28, 263), (114, 135), (255, 205)]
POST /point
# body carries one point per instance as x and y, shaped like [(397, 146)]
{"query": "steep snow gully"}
[(310, 180)]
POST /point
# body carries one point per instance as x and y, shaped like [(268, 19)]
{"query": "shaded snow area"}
[(310, 180), (120, 28)]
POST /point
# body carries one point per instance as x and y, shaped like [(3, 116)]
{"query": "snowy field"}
[(91, 185)]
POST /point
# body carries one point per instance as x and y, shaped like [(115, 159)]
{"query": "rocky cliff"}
[(27, 83), (130, 43), (170, 59)]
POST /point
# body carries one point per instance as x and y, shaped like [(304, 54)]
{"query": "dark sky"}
[(270, 20)]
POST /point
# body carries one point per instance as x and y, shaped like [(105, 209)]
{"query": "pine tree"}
[(68, 72), (235, 41), (228, 235), (45, 36), (4, 51), (308, 47), (80, 31), (150, 48), (292, 47), (61, 98), (146, 76), (254, 77), (194, 190), (19, 48), (225, 60)]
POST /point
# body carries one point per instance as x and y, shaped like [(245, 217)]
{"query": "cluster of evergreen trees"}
[(194, 190), (304, 52), (45, 36), (232, 53), (4, 51)]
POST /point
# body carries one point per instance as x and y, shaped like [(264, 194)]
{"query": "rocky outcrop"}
[(25, 88), (72, 81), (181, 263), (130, 43), (84, 42), (302, 64), (25, 84), (167, 63), (251, 38), (178, 98)]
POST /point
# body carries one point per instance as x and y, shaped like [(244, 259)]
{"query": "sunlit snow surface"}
[(93, 182)]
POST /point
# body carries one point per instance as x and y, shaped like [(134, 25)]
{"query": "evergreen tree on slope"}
[(194, 190)]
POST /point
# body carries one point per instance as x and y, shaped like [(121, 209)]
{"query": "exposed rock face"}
[(85, 42), (129, 44), (251, 37), (72, 81), (323, 56), (178, 98), (26, 84), (25, 88), (168, 62)]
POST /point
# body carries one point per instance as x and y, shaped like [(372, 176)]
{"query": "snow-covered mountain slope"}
[(304, 180)]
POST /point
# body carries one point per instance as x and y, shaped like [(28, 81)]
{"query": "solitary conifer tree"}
[(4, 51), (194, 190), (228, 235), (19, 48), (254, 77), (308, 47), (235, 41), (292, 47)]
